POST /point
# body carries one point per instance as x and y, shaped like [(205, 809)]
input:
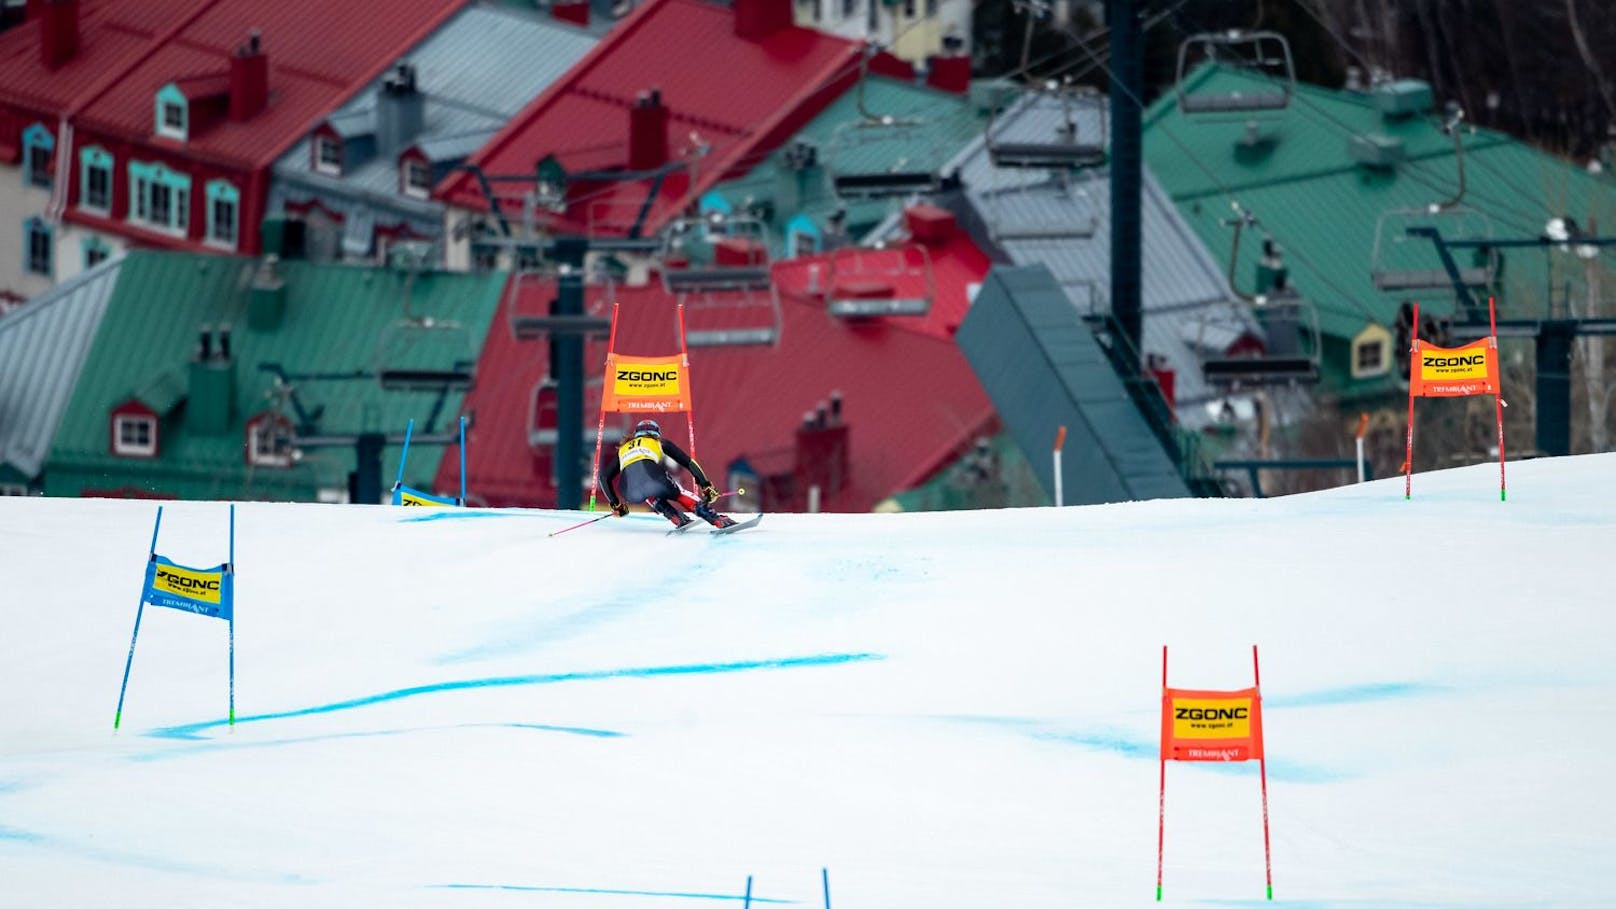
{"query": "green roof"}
[(339, 319), (1322, 206), (945, 123)]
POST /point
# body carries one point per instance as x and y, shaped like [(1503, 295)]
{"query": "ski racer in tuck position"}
[(639, 462)]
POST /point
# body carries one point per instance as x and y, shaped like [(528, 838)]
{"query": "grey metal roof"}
[(1187, 299), (43, 344), (475, 73), (1044, 368)]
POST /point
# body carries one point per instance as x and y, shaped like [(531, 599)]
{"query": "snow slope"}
[(943, 710)]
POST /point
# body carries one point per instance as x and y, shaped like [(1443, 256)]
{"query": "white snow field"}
[(452, 709)]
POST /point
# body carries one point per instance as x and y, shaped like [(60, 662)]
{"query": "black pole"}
[(568, 369), (1127, 172), (1554, 342), (368, 467)]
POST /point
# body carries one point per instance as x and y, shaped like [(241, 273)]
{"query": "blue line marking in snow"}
[(18, 836), (194, 730), (1353, 694), (1118, 741), (666, 894), (192, 750), (458, 514)]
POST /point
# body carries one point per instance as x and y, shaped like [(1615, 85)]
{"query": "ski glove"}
[(620, 509), (709, 494)]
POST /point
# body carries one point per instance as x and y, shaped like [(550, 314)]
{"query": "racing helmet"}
[(647, 428)]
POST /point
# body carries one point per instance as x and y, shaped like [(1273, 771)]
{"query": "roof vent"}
[(1377, 150), (400, 110), (249, 79), (647, 132), (1403, 98), (59, 32), (758, 19)]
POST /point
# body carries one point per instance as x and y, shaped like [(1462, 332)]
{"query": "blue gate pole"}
[(462, 461), (117, 717), (231, 568), (824, 877), (405, 454), (748, 903)]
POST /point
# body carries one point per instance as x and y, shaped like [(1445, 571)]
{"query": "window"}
[(908, 9), (95, 180), (417, 178), (171, 113), (328, 155), (38, 143), (1369, 358), (159, 198), (224, 210), (96, 251), (931, 9), (134, 436), (269, 442), (37, 247), (849, 8)]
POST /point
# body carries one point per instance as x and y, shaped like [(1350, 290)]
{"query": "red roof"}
[(319, 54), (112, 35), (741, 96), (909, 397)]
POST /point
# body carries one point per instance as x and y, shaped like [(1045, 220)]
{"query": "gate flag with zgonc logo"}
[(636, 384), (207, 592), (1200, 725), (1452, 372)]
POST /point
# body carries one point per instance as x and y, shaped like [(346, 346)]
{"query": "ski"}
[(682, 528), (738, 526)]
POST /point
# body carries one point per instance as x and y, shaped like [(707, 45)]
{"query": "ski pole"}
[(584, 523)]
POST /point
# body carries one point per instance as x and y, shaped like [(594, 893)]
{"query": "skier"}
[(645, 478)]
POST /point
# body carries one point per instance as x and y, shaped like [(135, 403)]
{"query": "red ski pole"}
[(592, 520)]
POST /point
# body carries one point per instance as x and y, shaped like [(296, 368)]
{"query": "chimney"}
[(58, 31), (928, 224), (204, 344), (950, 73), (575, 12), (400, 111), (758, 19), (249, 79), (647, 132)]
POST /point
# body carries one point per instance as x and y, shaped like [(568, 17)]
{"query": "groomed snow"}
[(943, 710)]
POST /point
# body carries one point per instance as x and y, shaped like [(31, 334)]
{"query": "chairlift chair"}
[(714, 253), (746, 316), (1291, 354), (1055, 126), (1403, 263), (426, 354), (1261, 55), (882, 158), (530, 297), (865, 282), (1055, 209)]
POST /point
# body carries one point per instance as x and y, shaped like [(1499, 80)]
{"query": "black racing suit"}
[(638, 461)]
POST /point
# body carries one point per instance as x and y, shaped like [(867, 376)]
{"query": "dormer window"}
[(134, 431), (417, 178), (172, 113), (269, 441), (328, 155), (1371, 352)]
